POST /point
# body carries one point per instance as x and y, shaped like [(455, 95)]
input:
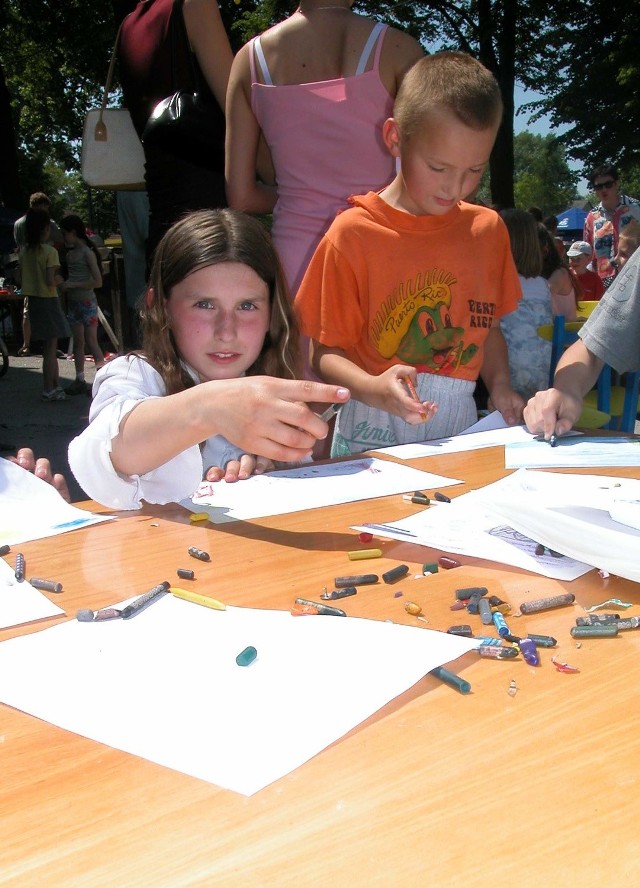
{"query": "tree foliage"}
[(591, 82), (542, 175), (579, 57)]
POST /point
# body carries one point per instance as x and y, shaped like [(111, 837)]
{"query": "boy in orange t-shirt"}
[(410, 283)]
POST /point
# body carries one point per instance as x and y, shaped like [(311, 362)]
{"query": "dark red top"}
[(144, 56)]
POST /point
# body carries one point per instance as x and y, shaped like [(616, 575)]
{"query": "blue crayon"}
[(500, 623)]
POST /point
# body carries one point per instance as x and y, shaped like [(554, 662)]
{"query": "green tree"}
[(60, 53), (594, 86), (542, 175)]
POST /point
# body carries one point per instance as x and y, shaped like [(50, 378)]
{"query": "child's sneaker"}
[(55, 395)]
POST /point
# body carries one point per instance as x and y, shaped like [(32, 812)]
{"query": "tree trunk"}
[(497, 27), (10, 192)]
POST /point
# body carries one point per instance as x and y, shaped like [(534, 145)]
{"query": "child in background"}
[(551, 224), (39, 263), (409, 283), (580, 254), (628, 243), (529, 354), (564, 285), (83, 264), (216, 310)]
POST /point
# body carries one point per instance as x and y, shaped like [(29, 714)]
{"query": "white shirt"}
[(119, 386)]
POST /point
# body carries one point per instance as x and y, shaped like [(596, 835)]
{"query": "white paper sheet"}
[(470, 526), (309, 487), (165, 685), (20, 602), (31, 509), (572, 452), (491, 431), (573, 514)]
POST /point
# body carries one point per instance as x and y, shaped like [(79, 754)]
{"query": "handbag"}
[(189, 125), (112, 154)]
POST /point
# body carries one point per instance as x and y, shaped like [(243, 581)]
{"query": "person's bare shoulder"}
[(399, 52)]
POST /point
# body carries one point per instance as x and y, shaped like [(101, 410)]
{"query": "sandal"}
[(56, 394), (24, 352)]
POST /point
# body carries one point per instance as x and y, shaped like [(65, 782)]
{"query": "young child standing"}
[(82, 306), (39, 263), (411, 282), (216, 310)]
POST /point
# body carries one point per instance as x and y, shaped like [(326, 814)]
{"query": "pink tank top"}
[(326, 144)]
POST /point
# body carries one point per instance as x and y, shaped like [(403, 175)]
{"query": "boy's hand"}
[(508, 402), (552, 412), (239, 469), (390, 392)]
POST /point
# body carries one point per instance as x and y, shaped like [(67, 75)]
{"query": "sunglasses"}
[(598, 186)]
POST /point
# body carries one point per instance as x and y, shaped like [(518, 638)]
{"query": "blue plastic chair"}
[(607, 406), (561, 334), (619, 401)]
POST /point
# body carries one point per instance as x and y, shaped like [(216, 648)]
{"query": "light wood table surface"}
[(436, 789)]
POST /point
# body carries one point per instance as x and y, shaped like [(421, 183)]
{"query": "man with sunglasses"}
[(603, 223)]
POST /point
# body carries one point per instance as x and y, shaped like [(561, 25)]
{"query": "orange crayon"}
[(412, 391)]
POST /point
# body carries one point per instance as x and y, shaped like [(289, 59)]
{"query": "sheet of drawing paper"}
[(491, 431), (470, 526), (165, 685), (572, 452), (309, 487), (20, 602), (593, 518), (31, 509)]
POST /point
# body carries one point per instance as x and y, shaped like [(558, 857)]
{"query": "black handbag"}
[(188, 125)]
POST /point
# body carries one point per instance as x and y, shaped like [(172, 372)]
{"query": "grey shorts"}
[(359, 427)]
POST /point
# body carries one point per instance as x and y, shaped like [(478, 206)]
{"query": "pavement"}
[(46, 427)]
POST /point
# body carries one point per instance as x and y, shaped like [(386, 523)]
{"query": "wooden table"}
[(437, 789)]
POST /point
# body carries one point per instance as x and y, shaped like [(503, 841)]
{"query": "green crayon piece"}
[(247, 656), (450, 678), (604, 630), (542, 641)]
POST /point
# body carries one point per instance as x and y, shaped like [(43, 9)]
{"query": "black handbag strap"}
[(179, 36)]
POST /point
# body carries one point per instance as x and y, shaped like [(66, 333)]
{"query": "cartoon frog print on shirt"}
[(431, 341)]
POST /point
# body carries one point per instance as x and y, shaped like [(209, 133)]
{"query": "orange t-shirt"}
[(388, 287)]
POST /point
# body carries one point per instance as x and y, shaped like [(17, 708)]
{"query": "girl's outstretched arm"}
[(260, 414)]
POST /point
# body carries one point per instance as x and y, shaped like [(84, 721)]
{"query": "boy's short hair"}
[(452, 80), (39, 199)]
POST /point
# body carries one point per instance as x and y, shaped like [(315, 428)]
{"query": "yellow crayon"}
[(199, 516), (194, 597), (361, 554)]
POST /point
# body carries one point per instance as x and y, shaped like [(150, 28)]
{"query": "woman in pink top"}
[(318, 88)]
